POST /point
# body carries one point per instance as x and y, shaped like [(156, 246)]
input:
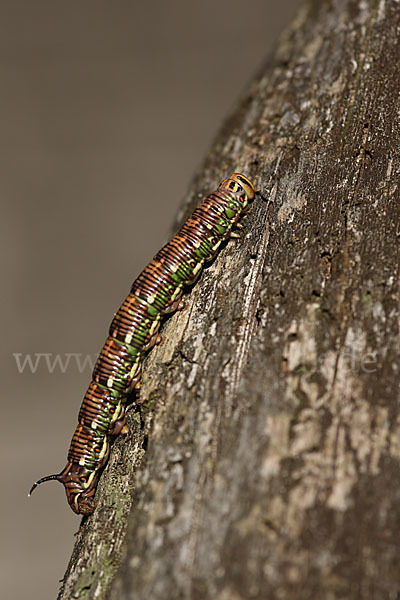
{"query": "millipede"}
[(156, 292)]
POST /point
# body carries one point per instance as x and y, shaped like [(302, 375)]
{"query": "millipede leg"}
[(119, 427), (182, 305)]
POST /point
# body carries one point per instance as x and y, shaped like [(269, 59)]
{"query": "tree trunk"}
[(264, 457)]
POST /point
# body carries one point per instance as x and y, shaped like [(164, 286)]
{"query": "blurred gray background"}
[(107, 109)]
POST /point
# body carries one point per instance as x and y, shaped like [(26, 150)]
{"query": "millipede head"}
[(236, 182)]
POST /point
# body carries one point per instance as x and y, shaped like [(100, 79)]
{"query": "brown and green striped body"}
[(134, 330)]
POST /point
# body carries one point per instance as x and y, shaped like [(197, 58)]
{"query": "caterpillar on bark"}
[(134, 331)]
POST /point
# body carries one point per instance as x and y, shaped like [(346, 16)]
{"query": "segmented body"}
[(134, 330)]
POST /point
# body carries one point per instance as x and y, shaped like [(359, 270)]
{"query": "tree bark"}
[(264, 457)]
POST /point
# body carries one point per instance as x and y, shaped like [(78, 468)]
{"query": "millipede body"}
[(134, 330)]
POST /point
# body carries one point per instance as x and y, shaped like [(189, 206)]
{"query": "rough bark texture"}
[(264, 461)]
